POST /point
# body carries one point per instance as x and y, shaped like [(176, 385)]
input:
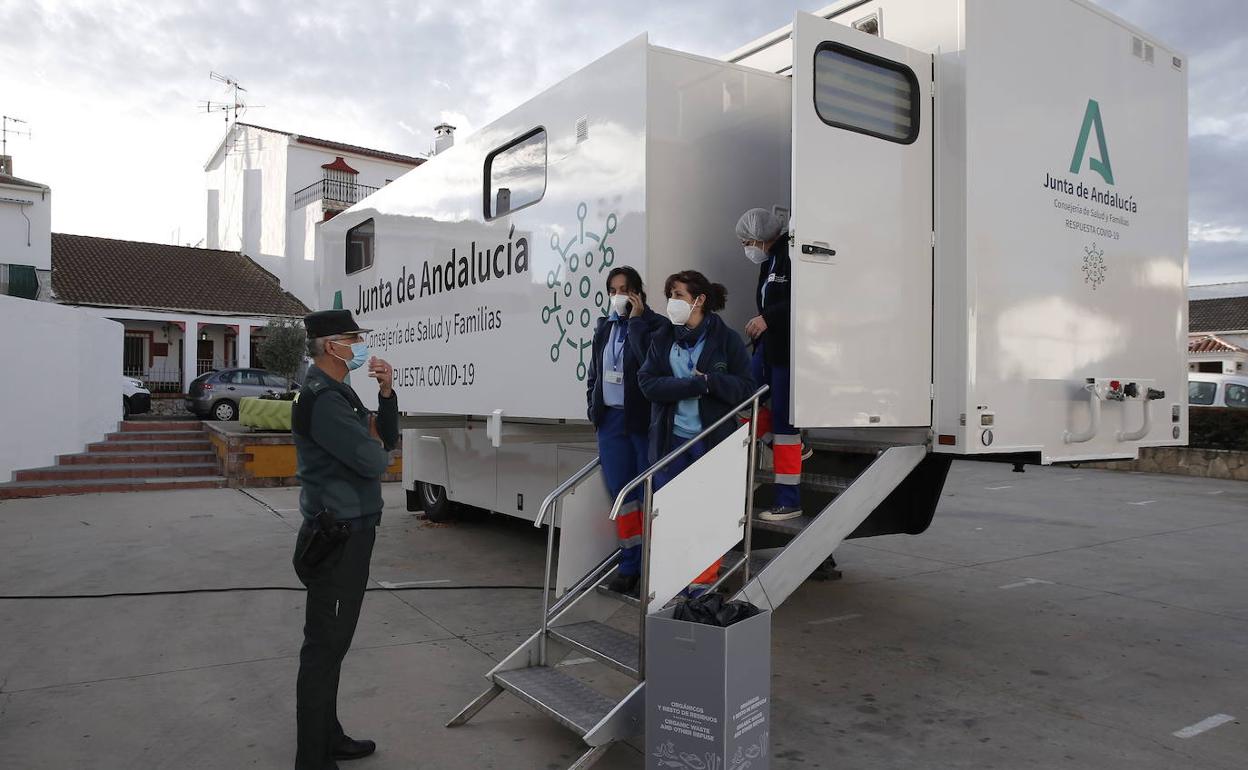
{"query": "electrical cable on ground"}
[(252, 589)]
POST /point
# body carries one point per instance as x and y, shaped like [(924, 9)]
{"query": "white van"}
[(1217, 390)]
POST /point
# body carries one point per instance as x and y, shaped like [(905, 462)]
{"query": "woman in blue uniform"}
[(619, 411), (697, 371)]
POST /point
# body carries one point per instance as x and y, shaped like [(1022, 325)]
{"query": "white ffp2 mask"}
[(619, 303), (678, 311), (755, 255)]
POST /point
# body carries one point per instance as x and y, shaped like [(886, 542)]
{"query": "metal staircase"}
[(847, 492)]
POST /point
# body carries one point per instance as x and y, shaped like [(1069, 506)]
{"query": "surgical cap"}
[(758, 225)]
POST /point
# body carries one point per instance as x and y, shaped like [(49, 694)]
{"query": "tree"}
[(283, 347)]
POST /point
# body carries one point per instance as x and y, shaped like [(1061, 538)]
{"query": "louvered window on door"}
[(857, 91)]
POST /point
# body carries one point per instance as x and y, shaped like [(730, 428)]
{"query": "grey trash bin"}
[(708, 694)]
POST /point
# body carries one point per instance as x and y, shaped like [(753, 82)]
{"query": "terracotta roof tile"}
[(1211, 344), (12, 180), (1218, 315), (102, 271)]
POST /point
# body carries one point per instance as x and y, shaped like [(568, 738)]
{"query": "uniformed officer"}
[(342, 451)]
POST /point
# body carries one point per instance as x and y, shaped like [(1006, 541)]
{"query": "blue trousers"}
[(623, 458), (777, 421)]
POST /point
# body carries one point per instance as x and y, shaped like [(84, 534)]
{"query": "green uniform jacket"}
[(339, 463)]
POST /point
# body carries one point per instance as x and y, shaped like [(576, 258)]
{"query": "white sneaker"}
[(780, 514)]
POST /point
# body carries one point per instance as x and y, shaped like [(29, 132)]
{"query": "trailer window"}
[(515, 174), (1236, 396), (860, 92), (360, 247)]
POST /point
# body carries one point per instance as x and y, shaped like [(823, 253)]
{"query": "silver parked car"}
[(216, 394)]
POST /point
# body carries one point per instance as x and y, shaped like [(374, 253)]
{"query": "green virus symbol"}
[(577, 298), (1094, 266)]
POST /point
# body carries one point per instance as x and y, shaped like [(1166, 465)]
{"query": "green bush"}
[(1217, 428), (283, 347)]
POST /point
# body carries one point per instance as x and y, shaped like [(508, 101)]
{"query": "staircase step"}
[(144, 426), (116, 471), (568, 701), (631, 601), (815, 482), (202, 445), (615, 648), (15, 489), (142, 458), (157, 435)]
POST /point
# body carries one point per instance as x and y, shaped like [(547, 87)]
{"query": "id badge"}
[(613, 377)]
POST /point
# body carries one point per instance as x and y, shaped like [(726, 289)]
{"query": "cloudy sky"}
[(111, 89)]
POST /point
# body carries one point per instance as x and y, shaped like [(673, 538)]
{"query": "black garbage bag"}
[(711, 609)]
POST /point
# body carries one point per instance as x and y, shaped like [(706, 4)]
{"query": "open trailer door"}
[(862, 229)]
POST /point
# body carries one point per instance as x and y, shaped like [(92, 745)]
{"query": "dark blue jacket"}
[(636, 407), (775, 311), (726, 364)]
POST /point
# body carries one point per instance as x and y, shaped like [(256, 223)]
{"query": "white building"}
[(1218, 328), (25, 236), (267, 191)]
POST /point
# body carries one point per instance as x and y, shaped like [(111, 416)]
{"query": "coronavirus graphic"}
[(576, 282), (1093, 266)]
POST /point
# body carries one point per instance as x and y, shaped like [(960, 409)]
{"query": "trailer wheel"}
[(433, 499)]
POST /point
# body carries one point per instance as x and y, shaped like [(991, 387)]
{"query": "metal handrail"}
[(549, 505), (672, 455)]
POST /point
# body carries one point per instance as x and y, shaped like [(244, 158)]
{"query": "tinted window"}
[(360, 247), (1236, 395), (515, 174), (273, 380), (1201, 393), (250, 377), (867, 94)]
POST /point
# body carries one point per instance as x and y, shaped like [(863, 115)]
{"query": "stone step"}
[(200, 445), (116, 471), (16, 489), (143, 426), (158, 435), (141, 458)]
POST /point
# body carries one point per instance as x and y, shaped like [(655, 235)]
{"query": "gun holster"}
[(328, 535)]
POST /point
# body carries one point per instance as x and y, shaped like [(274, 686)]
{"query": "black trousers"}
[(335, 594)]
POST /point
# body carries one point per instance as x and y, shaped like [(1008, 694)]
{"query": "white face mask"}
[(755, 255), (618, 304), (678, 311)]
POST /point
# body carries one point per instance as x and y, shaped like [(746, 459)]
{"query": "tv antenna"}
[(237, 106), (5, 120)]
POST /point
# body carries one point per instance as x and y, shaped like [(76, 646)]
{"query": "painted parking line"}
[(836, 619), (1026, 582), (409, 583), (1215, 492), (1203, 725), (1006, 486), (1143, 502)]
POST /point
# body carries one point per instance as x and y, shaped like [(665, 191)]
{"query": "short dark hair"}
[(632, 280), (696, 283)]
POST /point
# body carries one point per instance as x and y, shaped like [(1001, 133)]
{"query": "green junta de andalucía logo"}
[(1092, 120)]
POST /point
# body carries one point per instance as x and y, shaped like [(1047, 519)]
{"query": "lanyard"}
[(617, 347)]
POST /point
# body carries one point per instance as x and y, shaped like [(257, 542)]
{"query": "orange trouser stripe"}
[(787, 458), (709, 575), (628, 523)]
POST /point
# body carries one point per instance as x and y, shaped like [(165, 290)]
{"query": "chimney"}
[(6, 164), (443, 137)]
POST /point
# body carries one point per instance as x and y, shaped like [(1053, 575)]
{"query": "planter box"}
[(250, 459), (265, 413)]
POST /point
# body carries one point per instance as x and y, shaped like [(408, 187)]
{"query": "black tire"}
[(413, 501), (224, 410), (125, 407), (432, 498)]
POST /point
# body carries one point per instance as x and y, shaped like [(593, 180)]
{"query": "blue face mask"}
[(359, 356)]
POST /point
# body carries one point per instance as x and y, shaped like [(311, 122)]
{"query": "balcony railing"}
[(334, 194)]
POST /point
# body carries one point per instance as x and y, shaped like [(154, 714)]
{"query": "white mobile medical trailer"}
[(988, 204)]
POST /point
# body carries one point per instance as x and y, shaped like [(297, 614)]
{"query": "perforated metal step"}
[(611, 646), (568, 701)]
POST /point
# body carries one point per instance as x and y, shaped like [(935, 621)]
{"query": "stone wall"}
[(1185, 461)]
